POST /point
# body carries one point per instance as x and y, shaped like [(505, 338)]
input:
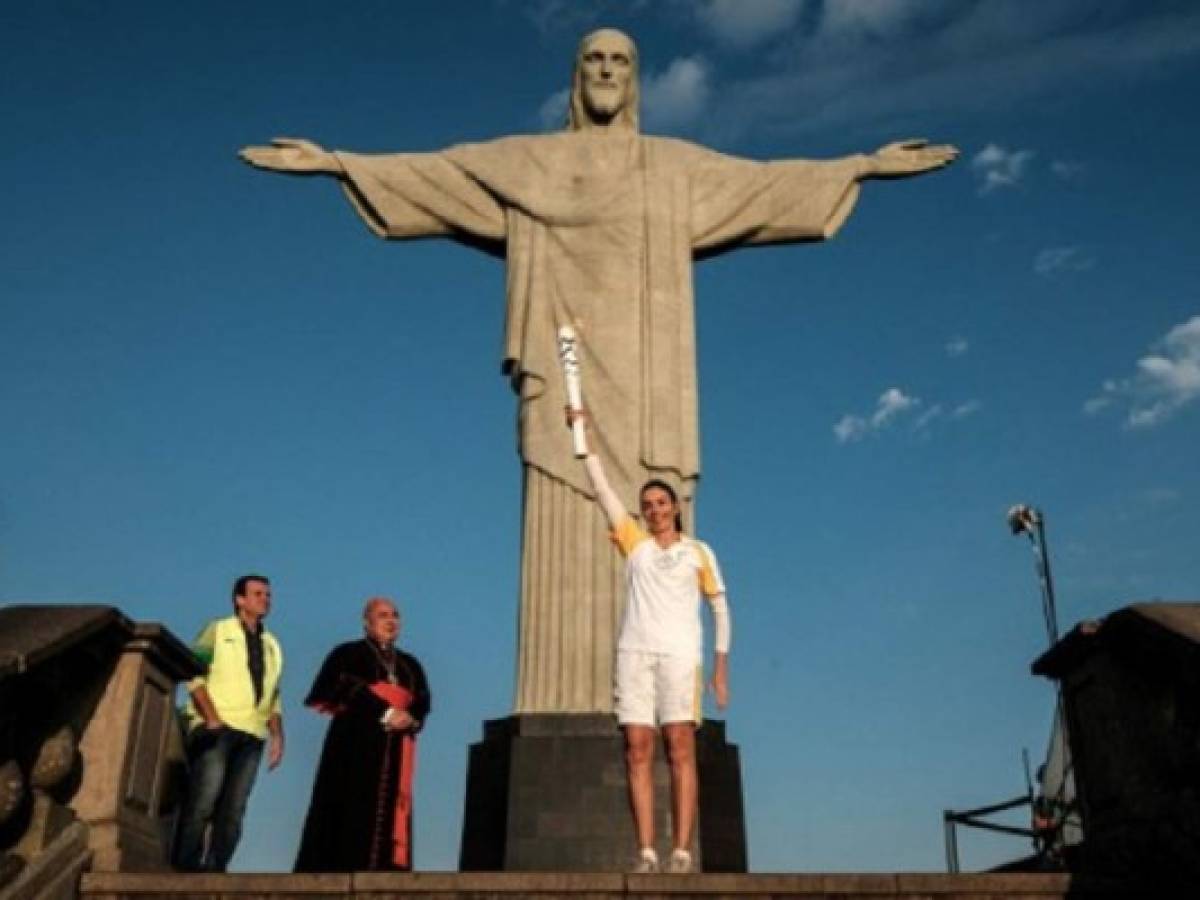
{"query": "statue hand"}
[(912, 157), (291, 155)]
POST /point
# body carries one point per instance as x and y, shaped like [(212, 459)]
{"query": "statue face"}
[(382, 622), (606, 68)]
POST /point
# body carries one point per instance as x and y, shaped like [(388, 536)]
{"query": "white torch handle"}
[(570, 365), (575, 401)]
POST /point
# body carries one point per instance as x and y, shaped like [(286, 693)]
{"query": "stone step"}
[(582, 886)]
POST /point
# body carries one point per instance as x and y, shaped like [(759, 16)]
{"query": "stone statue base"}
[(547, 793)]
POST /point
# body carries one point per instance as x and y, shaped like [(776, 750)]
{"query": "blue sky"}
[(206, 370)]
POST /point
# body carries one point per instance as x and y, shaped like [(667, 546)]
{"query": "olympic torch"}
[(569, 357)]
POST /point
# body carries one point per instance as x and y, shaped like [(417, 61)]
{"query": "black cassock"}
[(359, 818)]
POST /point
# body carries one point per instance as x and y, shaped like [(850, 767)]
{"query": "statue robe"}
[(599, 229)]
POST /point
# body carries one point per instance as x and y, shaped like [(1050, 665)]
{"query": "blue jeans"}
[(223, 764)]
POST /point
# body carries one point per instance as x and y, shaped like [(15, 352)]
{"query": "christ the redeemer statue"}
[(599, 225)]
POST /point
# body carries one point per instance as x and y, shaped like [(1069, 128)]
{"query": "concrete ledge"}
[(177, 884), (874, 885), (982, 883), (598, 886), (517, 884), (799, 885)]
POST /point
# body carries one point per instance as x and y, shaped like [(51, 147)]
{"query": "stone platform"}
[(582, 886), (547, 793)]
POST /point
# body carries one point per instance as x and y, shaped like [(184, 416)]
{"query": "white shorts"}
[(657, 688)]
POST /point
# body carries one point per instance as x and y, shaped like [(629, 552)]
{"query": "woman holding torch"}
[(659, 668)]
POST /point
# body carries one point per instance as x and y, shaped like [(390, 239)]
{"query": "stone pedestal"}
[(133, 755), (548, 793), (88, 737)]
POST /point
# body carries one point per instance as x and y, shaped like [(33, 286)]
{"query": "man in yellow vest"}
[(233, 714)]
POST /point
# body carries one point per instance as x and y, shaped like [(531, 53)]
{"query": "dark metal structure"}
[(1130, 685)]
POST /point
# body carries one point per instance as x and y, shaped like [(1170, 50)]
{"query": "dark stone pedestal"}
[(88, 732), (548, 793)]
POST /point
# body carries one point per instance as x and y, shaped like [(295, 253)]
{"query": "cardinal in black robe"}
[(360, 815)]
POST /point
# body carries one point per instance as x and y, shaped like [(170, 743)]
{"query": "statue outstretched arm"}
[(398, 195), (295, 156), (737, 202), (901, 159)]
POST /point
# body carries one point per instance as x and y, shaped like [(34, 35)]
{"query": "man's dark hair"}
[(239, 586)]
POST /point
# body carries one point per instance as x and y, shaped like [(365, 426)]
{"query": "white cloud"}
[(969, 408), (891, 404), (850, 428), (887, 72), (858, 18), (553, 111), (746, 23), (890, 407), (1062, 259), (556, 16), (957, 346), (1165, 381), (1000, 168), (924, 420), (1102, 400), (676, 97), (937, 411)]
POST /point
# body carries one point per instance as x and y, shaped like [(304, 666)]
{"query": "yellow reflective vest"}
[(221, 648)]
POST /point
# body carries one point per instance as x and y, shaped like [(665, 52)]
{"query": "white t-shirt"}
[(664, 587)]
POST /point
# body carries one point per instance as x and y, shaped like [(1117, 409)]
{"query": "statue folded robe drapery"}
[(360, 815), (599, 229)]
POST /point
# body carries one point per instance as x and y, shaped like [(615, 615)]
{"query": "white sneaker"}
[(647, 862), (680, 863)]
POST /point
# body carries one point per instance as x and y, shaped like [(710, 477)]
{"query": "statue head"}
[(604, 88)]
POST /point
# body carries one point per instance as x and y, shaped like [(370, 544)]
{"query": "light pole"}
[(1028, 520)]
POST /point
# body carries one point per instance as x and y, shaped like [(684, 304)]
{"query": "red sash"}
[(394, 695)]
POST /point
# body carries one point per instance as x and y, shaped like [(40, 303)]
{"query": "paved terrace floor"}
[(512, 885)]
